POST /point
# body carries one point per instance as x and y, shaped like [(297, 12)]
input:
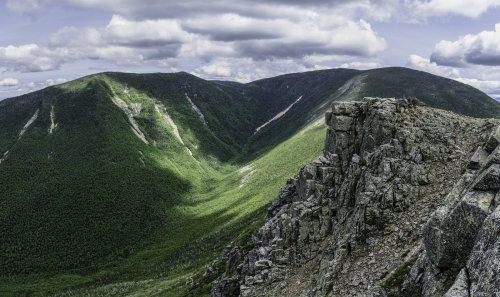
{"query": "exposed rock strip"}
[(136, 109), (162, 110), (245, 169), (197, 110), (130, 115), (351, 87), (140, 158), (21, 133), (4, 156), (246, 177), (53, 125), (350, 218), (279, 115), (30, 121)]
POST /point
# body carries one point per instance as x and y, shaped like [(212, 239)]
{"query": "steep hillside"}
[(77, 185), (350, 223), (326, 86), (117, 177), (309, 90)]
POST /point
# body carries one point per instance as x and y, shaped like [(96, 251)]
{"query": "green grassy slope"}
[(92, 208)]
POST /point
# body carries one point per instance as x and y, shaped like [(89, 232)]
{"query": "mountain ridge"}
[(120, 172)]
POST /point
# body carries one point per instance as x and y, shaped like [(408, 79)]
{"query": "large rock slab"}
[(449, 235), (484, 262)]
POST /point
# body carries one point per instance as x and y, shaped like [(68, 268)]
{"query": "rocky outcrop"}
[(463, 235), (350, 223)]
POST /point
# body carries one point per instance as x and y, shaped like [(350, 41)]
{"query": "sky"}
[(46, 42)]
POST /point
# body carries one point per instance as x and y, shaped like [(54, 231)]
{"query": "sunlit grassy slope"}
[(218, 209)]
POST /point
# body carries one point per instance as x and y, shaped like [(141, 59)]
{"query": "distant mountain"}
[(133, 170), (319, 88), (435, 91)]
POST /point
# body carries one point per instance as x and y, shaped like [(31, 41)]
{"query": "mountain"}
[(435, 91), (350, 223), (117, 176), (331, 85)]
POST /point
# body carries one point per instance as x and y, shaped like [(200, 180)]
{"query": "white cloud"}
[(480, 49), (37, 85), (350, 39), (216, 71), (302, 32), (9, 82), (233, 27), (263, 9), (423, 64), (378, 10), (122, 41), (247, 70), (424, 9), (488, 86), (495, 96), (51, 82), (29, 58), (361, 65), (143, 33)]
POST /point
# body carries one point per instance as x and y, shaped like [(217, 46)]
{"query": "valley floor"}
[(227, 203)]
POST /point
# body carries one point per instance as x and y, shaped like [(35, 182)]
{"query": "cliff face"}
[(394, 207)]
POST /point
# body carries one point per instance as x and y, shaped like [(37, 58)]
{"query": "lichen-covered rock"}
[(478, 159), (493, 141), (484, 263), (351, 220), (461, 286), (489, 179), (449, 235), (463, 235), (229, 285)]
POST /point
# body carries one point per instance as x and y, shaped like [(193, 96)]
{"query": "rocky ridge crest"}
[(403, 203)]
